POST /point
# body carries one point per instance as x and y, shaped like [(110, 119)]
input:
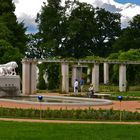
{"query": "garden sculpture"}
[(8, 68)]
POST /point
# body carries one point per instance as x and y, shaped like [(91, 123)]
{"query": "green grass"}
[(129, 93), (115, 88), (52, 131)]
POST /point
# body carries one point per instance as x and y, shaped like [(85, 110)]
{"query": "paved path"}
[(63, 121)]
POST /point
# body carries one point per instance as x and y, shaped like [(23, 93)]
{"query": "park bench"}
[(102, 95)]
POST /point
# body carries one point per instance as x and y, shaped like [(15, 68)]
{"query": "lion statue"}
[(8, 68)]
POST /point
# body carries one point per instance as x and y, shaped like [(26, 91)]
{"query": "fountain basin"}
[(58, 100)]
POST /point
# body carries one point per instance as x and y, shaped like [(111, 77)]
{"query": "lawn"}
[(52, 131), (129, 93)]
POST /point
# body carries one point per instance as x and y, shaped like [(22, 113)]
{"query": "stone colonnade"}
[(77, 71), (29, 76), (122, 76)]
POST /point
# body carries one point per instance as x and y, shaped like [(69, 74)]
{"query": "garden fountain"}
[(10, 87), (58, 100)]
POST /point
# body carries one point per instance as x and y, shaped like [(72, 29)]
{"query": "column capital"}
[(65, 63), (27, 60)]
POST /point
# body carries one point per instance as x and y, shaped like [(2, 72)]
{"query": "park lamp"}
[(120, 98), (40, 98)]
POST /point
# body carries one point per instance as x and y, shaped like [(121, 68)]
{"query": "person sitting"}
[(91, 91)]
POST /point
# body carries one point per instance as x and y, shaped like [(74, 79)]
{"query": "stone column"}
[(88, 74), (74, 75), (65, 77), (106, 73), (33, 75), (79, 73), (26, 78), (95, 77), (122, 78)]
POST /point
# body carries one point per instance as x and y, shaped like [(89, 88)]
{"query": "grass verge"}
[(53, 131)]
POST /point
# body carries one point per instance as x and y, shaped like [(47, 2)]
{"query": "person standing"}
[(81, 84), (76, 84)]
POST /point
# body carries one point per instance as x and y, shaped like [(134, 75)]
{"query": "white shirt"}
[(76, 84)]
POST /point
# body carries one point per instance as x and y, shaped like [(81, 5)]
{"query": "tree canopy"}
[(12, 34), (77, 29), (130, 37)]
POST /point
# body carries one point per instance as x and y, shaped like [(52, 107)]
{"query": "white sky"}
[(29, 7), (32, 7), (26, 10)]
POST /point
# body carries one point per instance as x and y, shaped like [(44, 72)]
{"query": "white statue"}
[(8, 68)]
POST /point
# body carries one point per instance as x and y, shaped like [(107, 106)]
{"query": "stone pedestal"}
[(10, 85)]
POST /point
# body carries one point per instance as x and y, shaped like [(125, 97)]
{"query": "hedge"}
[(79, 114)]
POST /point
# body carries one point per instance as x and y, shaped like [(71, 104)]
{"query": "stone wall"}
[(10, 85)]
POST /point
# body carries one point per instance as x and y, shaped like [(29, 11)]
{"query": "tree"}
[(10, 30), (34, 49), (41, 82), (107, 30), (90, 31), (52, 70), (77, 29), (80, 29), (4, 31), (50, 26), (130, 37), (12, 35), (131, 55), (9, 53)]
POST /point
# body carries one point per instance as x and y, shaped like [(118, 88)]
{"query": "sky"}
[(129, 1), (26, 10)]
